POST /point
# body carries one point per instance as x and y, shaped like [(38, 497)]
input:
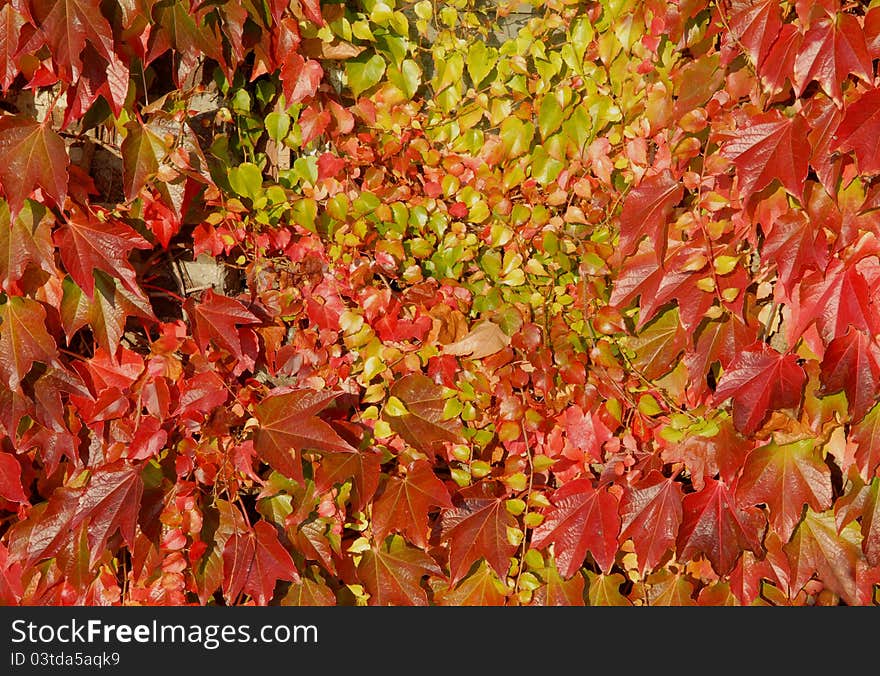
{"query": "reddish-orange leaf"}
[(866, 434), (361, 467), (289, 425), (718, 341), (108, 501), (88, 243), (795, 245), (824, 118), (11, 23), (778, 67), (713, 525), (67, 26), (477, 528), (768, 147), (392, 574), (404, 505), (818, 548), (755, 26), (216, 318), (582, 519), (423, 425), (834, 299), (23, 339), (872, 31), (833, 49), (759, 380), (852, 364), (31, 156), (558, 591), (668, 588), (253, 562), (786, 477), (862, 501), (11, 588), (859, 132), (650, 514), (646, 211), (300, 77), (10, 479)]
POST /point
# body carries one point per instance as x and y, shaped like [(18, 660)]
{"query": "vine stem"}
[(522, 556)]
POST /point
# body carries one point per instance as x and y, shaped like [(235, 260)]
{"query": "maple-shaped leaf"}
[(778, 67), (604, 590), (559, 591), (759, 380), (824, 118), (105, 313), (216, 318), (834, 299), (718, 341), (362, 468), (768, 147), (107, 499), (422, 424), (646, 211), (253, 562), (32, 155), (289, 425), (11, 588), (300, 77), (481, 588), (477, 528), (818, 548), (795, 245), (755, 25), (785, 477), (142, 152), (10, 479), (23, 339), (714, 525), (859, 132), (307, 592), (871, 523), (87, 242), (667, 588), (220, 521), (404, 505), (852, 363), (833, 48), (24, 241), (67, 25), (582, 519), (11, 23), (650, 515), (392, 573)]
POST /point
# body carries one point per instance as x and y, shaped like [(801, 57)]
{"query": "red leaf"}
[(755, 26), (215, 318), (362, 467), (423, 426), (770, 147), (23, 339), (786, 477), (253, 562), (833, 49), (585, 433), (651, 513), (11, 23), (289, 425), (392, 574), (834, 299), (852, 364), (67, 25), (859, 132), (779, 64), (759, 380), (721, 454), (715, 526), (796, 245), (31, 156), (11, 588), (312, 11), (477, 529), (581, 520), (108, 502), (329, 165), (646, 211), (717, 341), (87, 243), (824, 118), (866, 433), (10, 479), (404, 505), (300, 77), (872, 32)]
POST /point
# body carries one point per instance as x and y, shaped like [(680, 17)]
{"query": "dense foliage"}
[(572, 305)]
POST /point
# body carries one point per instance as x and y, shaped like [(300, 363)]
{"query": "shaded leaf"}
[(646, 211), (481, 588), (404, 505), (23, 339), (216, 317), (422, 425), (392, 574), (852, 364), (650, 515), (253, 562), (32, 155), (859, 132), (604, 590)]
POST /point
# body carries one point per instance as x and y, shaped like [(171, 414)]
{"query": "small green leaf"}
[(363, 74), (246, 179), (277, 126), (549, 116), (480, 62)]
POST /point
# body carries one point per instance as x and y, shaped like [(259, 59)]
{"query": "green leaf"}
[(246, 179), (277, 126), (480, 62), (516, 136), (549, 116), (363, 74), (545, 169), (407, 79)]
